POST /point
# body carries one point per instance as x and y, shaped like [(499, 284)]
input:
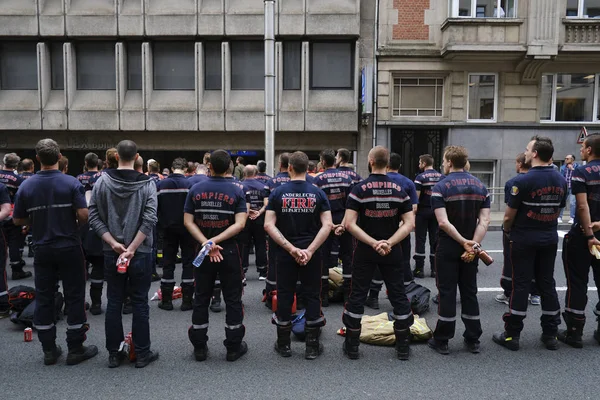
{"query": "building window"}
[(18, 66), (247, 65), (332, 65), (174, 66), (292, 65), (485, 171), (134, 66), (96, 68), (483, 8), (57, 72), (583, 8), (212, 66), (483, 95), (418, 97), (569, 97)]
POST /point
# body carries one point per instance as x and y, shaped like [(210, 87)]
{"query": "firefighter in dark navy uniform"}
[(461, 204), (54, 204), (530, 221), (216, 211), (299, 220), (5, 210), (579, 242), (375, 208), (257, 194)]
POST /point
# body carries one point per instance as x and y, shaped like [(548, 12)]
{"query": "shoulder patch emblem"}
[(514, 191)]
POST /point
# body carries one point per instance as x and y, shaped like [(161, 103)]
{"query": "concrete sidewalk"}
[(498, 216)]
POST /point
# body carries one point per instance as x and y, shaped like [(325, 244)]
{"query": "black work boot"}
[(142, 362), (282, 345), (505, 340), (96, 296), (351, 343), (574, 332), (235, 352), (440, 346), (115, 358), (419, 271), (432, 265), (313, 347), (215, 303), (373, 300), (597, 331), (187, 297), (81, 354), (402, 343), (18, 274), (201, 353), (166, 302), (550, 341), (51, 355)]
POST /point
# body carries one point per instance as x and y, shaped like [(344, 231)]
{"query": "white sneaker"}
[(571, 221), (501, 298), (560, 220), (535, 300)]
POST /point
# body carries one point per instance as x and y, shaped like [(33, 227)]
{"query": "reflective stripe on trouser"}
[(529, 262), (288, 274), (174, 238), (230, 274), (366, 261), (577, 261), (68, 263), (453, 273)]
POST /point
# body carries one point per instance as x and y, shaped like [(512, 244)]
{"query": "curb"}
[(498, 228)]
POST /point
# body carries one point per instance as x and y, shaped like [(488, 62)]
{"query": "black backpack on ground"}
[(419, 297)]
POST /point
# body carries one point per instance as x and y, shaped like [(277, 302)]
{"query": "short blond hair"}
[(457, 155)]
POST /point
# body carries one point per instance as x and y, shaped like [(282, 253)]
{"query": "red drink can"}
[(122, 264), (28, 334)]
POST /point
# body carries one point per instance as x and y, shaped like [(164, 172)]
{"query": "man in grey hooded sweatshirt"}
[(123, 213)]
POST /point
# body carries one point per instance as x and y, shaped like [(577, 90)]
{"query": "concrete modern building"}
[(179, 76), (486, 74)]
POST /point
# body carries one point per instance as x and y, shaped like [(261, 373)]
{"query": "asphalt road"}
[(495, 373)]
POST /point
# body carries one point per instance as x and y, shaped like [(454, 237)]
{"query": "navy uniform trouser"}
[(69, 263), (425, 222), (366, 261), (288, 274), (271, 281), (15, 241), (337, 248), (175, 237), (254, 232), (452, 272), (532, 262), (377, 281), (3, 282), (230, 273), (506, 278), (97, 274), (577, 261)]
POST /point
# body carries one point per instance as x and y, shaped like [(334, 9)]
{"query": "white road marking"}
[(500, 251), (558, 289)]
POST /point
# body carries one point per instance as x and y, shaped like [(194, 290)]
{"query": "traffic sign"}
[(582, 135)]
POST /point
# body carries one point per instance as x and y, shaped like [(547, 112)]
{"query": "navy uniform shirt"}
[(4, 195), (193, 179), (172, 193), (337, 186), (508, 185), (236, 182), (298, 206), (424, 183), (27, 175), (278, 180), (353, 175), (85, 178), (380, 203), (586, 179), (406, 184), (463, 196), (538, 197), (154, 177), (12, 182), (256, 192), (214, 204), (50, 199), (261, 176)]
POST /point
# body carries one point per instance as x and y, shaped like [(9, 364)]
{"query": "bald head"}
[(138, 164), (250, 171), (379, 157)]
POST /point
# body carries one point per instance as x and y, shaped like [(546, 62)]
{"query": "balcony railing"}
[(582, 31)]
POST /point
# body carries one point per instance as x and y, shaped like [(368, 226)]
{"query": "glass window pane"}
[(481, 96), (572, 6), (56, 66), (18, 66), (247, 65), (174, 66), (418, 97), (396, 103), (134, 66), (591, 9), (332, 66), (546, 99), (292, 65), (487, 9), (509, 7), (96, 66), (575, 97), (212, 66), (464, 8)]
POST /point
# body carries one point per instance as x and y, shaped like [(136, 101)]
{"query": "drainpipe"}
[(375, 72), (270, 84)]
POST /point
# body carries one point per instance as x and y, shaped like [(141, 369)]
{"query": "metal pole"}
[(270, 84), (375, 73)]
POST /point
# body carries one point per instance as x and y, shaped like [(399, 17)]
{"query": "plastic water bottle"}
[(202, 254)]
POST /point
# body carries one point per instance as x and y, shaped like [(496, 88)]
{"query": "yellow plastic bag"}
[(379, 330)]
